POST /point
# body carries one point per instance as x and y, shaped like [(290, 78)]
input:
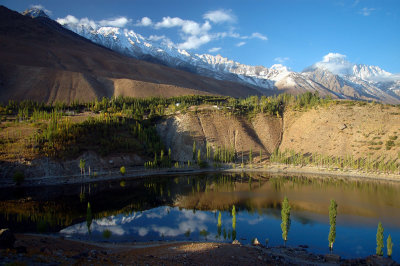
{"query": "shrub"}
[(122, 170), (389, 144), (18, 177)]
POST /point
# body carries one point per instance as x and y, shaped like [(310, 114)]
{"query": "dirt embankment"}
[(219, 129)]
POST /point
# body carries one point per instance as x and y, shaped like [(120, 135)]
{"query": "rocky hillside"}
[(339, 129), (220, 130)]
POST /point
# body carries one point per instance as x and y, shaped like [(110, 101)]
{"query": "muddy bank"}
[(44, 250)]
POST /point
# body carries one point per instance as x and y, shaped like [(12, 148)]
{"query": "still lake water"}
[(188, 208)]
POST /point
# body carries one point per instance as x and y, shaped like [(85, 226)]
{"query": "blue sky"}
[(255, 32)]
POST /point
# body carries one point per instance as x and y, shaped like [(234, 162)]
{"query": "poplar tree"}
[(89, 217), (194, 150), (332, 222), (389, 246), (219, 225), (285, 215), (233, 222), (379, 240)]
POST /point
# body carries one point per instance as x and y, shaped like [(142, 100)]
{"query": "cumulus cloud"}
[(240, 44), (193, 34), (281, 59), (214, 49), (73, 21), (366, 11), (145, 22), (335, 63), (118, 22), (48, 12), (193, 42), (220, 16)]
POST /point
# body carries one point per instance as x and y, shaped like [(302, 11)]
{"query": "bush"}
[(122, 170), (18, 177)]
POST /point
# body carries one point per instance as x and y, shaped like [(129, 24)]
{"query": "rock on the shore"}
[(7, 238)]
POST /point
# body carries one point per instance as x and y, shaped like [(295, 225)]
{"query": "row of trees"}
[(285, 226), (368, 164)]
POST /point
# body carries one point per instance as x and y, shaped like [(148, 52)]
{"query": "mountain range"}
[(333, 76), (43, 61)]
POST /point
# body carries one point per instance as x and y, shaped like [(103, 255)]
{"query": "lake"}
[(199, 208)]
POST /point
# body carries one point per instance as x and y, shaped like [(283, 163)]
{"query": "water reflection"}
[(212, 207)]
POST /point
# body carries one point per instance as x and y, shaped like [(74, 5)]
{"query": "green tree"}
[(89, 217), (194, 150), (82, 166), (379, 240), (219, 225), (332, 222), (199, 157), (233, 222), (389, 246), (251, 156), (285, 215)]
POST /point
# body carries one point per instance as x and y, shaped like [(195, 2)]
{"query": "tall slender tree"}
[(379, 240), (285, 215), (332, 222), (194, 150), (219, 225), (233, 222), (389, 246)]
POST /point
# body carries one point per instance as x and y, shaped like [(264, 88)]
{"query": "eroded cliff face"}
[(353, 129), (219, 129)]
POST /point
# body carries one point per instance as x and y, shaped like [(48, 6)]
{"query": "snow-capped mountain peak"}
[(334, 75), (35, 12)]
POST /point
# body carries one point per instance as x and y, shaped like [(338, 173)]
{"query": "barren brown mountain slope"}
[(40, 60)]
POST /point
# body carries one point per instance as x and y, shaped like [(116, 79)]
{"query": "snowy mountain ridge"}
[(334, 75)]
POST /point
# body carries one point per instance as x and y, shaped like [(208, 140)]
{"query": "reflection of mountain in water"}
[(257, 195)]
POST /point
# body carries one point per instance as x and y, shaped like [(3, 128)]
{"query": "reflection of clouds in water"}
[(148, 221), (359, 250), (142, 231), (253, 221), (191, 221)]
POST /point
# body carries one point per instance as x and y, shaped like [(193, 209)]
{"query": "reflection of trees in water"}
[(202, 192)]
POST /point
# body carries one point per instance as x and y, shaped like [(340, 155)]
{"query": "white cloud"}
[(119, 22), (214, 49), (48, 12), (259, 36), (145, 22), (73, 21), (335, 63), (193, 42), (193, 33), (168, 22), (281, 59), (366, 11), (240, 44), (220, 16)]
